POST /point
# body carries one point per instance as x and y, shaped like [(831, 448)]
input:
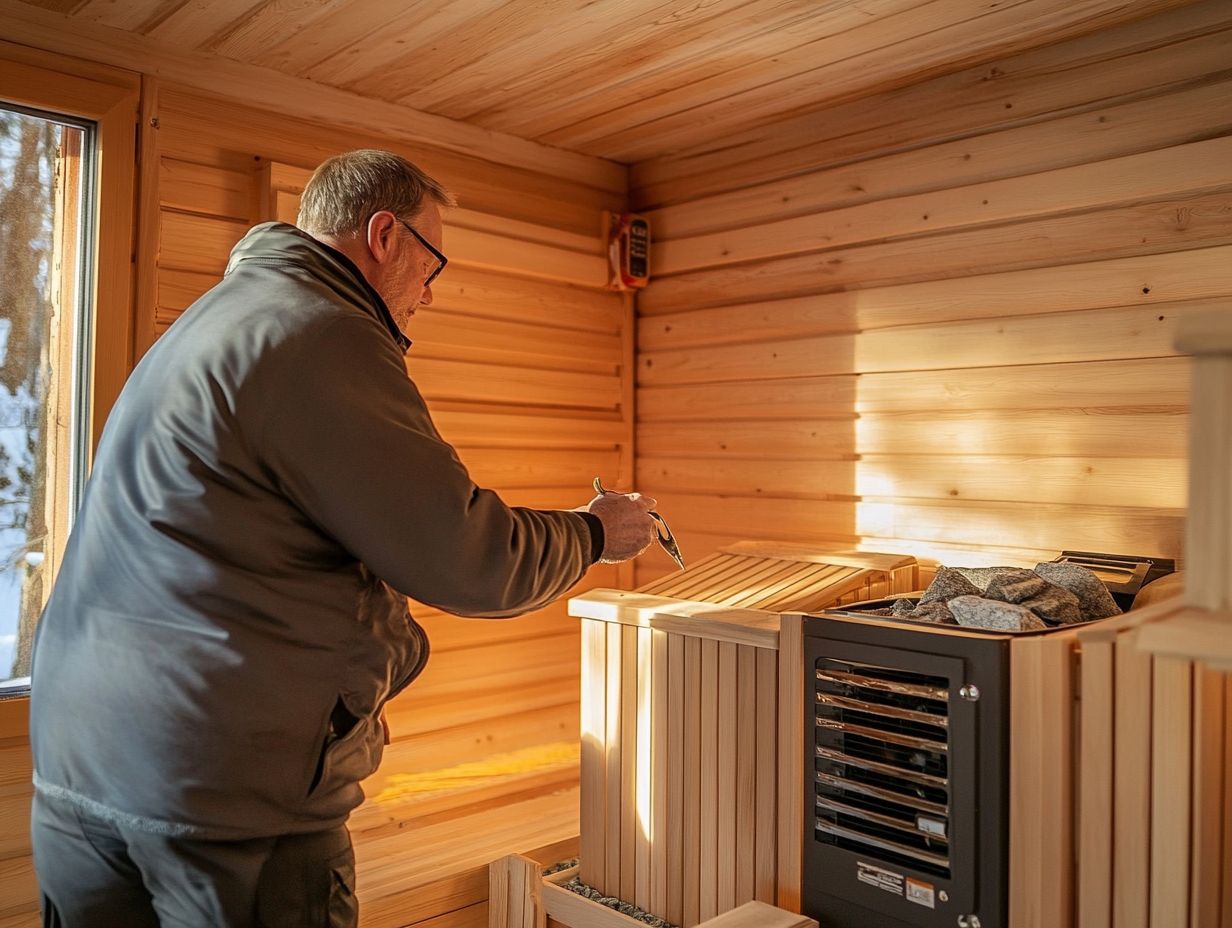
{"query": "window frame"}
[(110, 98)]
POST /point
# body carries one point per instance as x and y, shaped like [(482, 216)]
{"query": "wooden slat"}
[(1083, 433), (593, 818), (1144, 482), (727, 760), (613, 745), (676, 760), (1146, 280), (288, 94), (691, 857), (820, 70), (766, 837), (790, 798), (1192, 168), (197, 243), (489, 383), (1095, 848), (1040, 783), (1083, 528), (1113, 64), (1119, 333), (1171, 789), (746, 774), (708, 793), (1211, 806), (1083, 138), (660, 774), (1132, 797), (628, 762), (1171, 224), (643, 807)]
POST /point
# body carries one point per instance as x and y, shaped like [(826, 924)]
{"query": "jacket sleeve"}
[(348, 438)]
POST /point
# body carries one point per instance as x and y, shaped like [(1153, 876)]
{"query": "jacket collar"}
[(281, 243)]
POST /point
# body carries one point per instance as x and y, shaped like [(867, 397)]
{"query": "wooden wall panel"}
[(941, 319)]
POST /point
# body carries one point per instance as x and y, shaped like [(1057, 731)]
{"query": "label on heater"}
[(921, 893), (888, 880)]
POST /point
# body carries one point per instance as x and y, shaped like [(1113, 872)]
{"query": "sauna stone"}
[(980, 612), (1054, 604), (1093, 597), (946, 585)]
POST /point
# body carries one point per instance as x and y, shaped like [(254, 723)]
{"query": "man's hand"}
[(628, 529)]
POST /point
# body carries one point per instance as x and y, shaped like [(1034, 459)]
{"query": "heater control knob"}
[(971, 693)]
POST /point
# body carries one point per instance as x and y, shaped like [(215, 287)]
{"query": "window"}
[(45, 263), (67, 284)]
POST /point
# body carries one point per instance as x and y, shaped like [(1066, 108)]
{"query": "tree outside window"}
[(40, 252)]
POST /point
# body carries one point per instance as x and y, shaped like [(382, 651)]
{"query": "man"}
[(230, 616)]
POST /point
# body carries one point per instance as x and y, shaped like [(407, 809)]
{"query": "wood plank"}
[(489, 383), (660, 776), (1211, 806), (283, 93), (1132, 786), (833, 396), (746, 774), (676, 776), (197, 243), (211, 130), (790, 797), (1140, 125), (691, 856), (1171, 789), (700, 45), (471, 426), (1119, 333), (1159, 383), (593, 817), (1112, 65), (784, 520), (752, 476), (727, 760), (708, 793), (642, 789), (822, 71), (1031, 525), (1174, 224), (805, 439), (1184, 169), (1145, 280), (1095, 848), (628, 762), (1146, 482), (1097, 432), (614, 746), (206, 189), (766, 837), (1041, 850)]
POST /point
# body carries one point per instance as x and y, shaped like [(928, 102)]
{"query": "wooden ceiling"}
[(626, 80)]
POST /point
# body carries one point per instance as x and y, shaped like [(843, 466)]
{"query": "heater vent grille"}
[(882, 777)]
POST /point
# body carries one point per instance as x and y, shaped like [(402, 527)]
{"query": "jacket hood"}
[(283, 244)]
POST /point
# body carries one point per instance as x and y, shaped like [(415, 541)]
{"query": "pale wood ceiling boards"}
[(623, 79)]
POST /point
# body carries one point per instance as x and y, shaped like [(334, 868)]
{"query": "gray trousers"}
[(93, 874)]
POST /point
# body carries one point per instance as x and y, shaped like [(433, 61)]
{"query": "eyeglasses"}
[(428, 245)]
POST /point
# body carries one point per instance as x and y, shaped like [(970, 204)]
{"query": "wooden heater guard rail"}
[(519, 896)]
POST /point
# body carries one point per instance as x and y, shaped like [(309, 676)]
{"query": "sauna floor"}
[(422, 856)]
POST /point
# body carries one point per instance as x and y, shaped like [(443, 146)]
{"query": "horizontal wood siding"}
[(941, 319), (522, 359)]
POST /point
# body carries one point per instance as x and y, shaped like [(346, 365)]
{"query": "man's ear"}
[(380, 235)]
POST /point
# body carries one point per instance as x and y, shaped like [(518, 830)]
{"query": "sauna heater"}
[(908, 741)]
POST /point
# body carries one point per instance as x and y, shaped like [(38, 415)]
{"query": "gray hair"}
[(347, 189)]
